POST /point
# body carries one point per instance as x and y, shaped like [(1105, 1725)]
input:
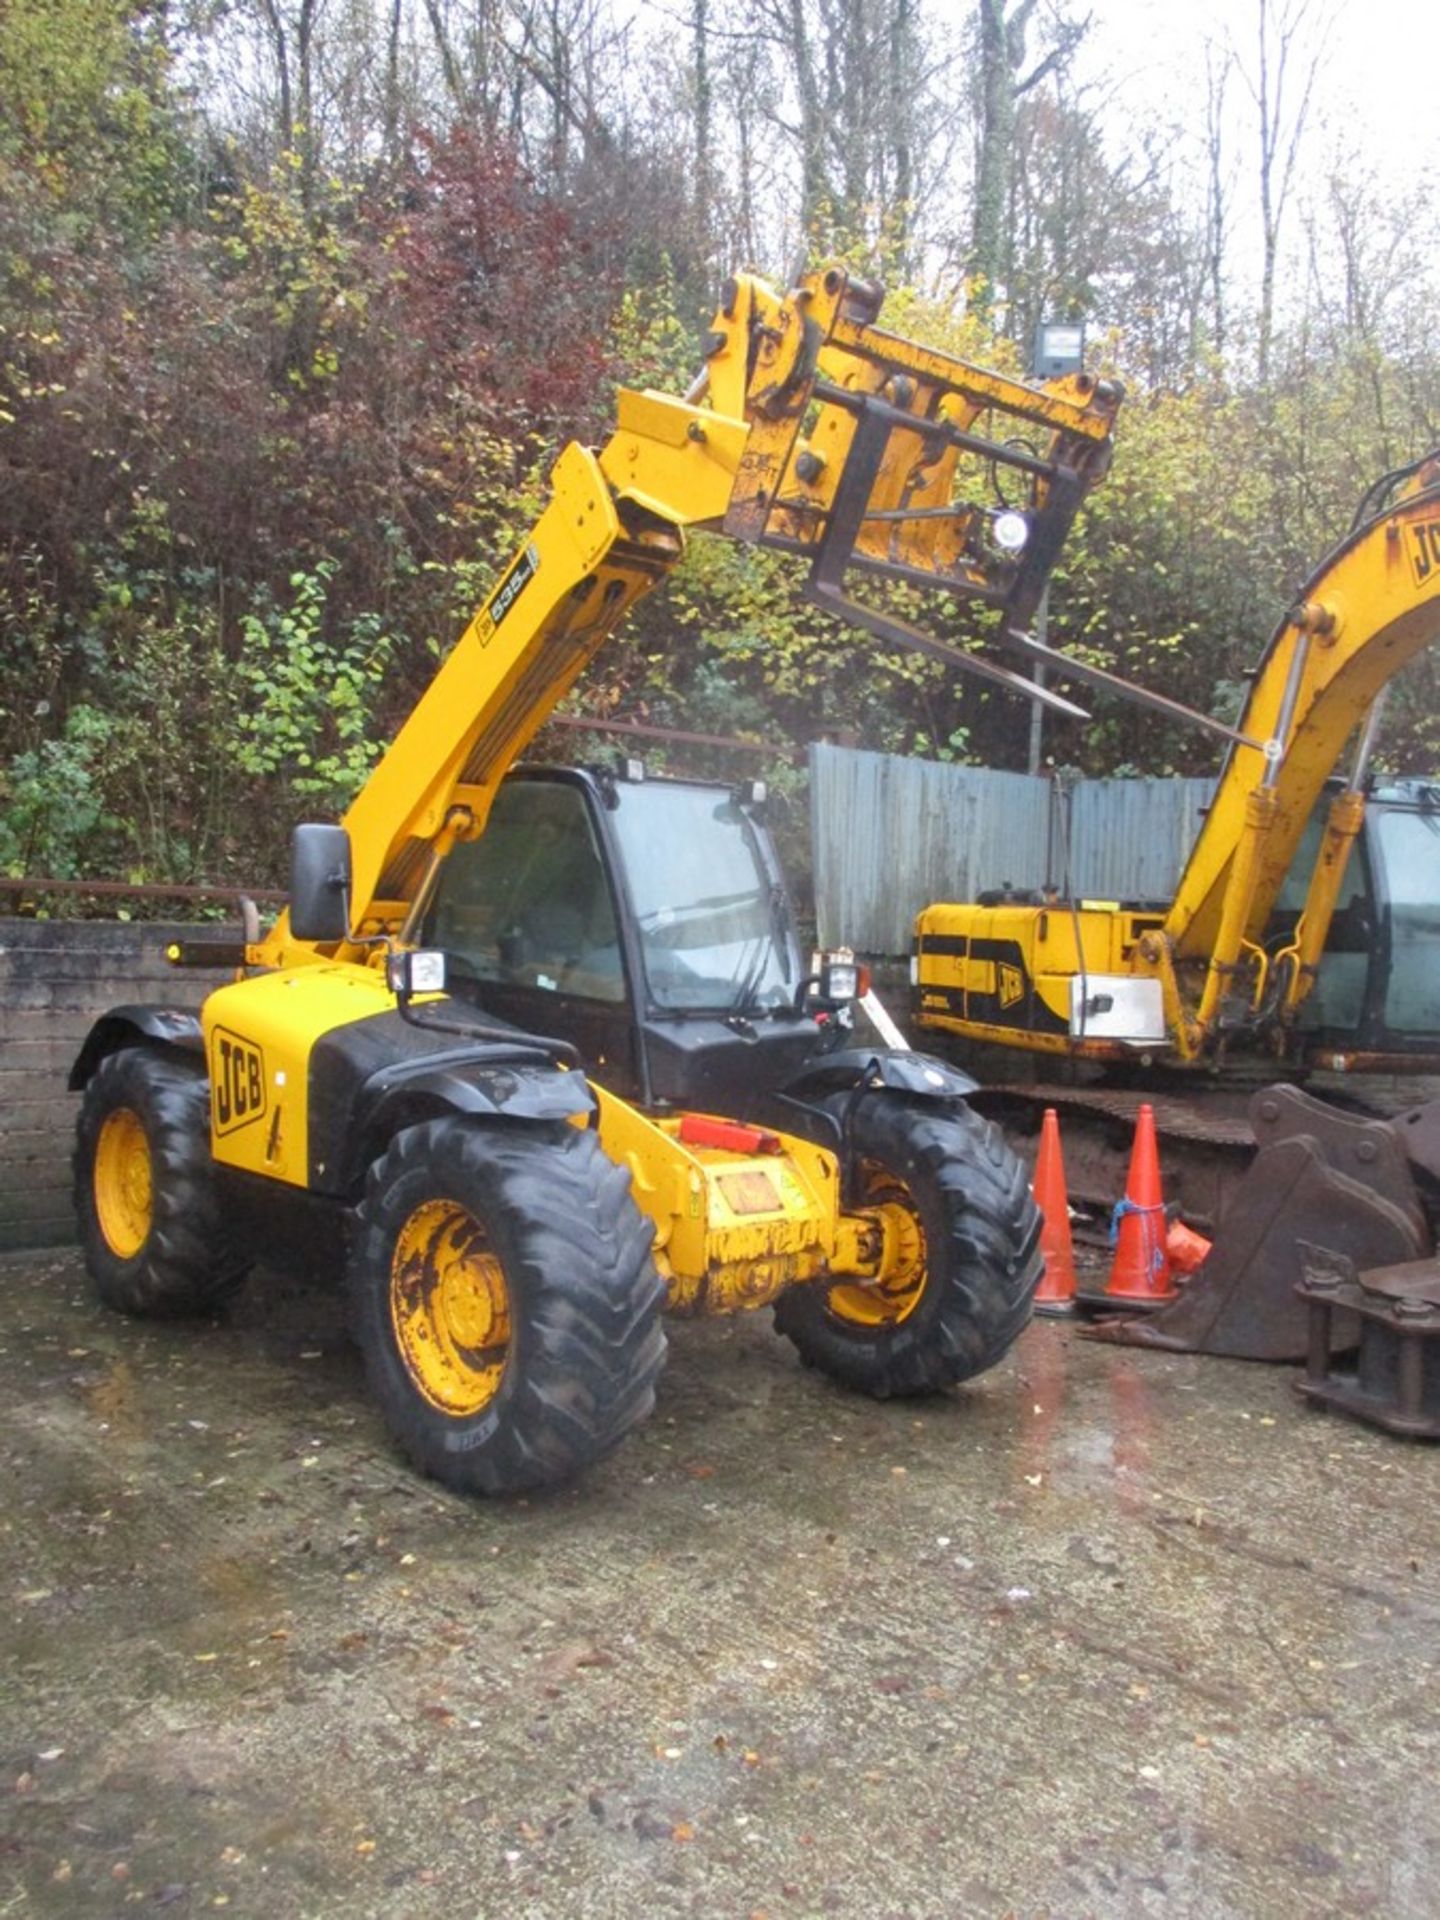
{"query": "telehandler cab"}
[(545, 1044)]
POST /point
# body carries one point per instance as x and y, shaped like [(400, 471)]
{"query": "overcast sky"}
[(1378, 90), (1373, 115)]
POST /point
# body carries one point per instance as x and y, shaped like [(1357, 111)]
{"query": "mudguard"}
[(470, 1080), (125, 1027), (920, 1075)]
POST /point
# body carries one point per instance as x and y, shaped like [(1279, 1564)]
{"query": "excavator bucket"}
[(1320, 1176)]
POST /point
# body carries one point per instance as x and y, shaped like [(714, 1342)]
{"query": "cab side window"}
[(528, 904)]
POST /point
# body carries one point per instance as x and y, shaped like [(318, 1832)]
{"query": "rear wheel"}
[(962, 1255), (152, 1227), (506, 1302)]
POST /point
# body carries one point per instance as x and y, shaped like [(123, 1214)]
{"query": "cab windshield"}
[(713, 926), (1410, 851)]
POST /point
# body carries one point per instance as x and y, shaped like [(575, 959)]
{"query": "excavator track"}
[(1204, 1151)]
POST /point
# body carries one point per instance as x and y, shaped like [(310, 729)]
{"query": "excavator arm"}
[(810, 430), (1371, 606)]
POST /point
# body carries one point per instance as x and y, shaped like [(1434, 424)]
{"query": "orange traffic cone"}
[(1140, 1272), (1056, 1292)]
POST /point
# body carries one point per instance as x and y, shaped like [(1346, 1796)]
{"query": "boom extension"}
[(812, 431)]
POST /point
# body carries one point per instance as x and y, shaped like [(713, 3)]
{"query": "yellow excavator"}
[(543, 1050), (1304, 933)]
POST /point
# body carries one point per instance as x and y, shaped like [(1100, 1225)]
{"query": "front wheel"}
[(153, 1228), (962, 1255), (506, 1302)]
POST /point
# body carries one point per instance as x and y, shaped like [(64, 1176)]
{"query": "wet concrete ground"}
[(1105, 1634)]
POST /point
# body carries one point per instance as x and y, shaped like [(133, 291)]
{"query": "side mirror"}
[(320, 884)]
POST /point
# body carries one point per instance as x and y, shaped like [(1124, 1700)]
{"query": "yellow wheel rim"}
[(124, 1183), (896, 1290), (450, 1308)]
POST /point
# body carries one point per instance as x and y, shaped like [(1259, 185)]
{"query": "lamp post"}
[(1059, 349)]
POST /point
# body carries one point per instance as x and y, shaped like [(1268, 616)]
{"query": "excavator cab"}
[(1401, 1014), (1376, 998)]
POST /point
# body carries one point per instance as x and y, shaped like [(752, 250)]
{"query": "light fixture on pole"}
[(1059, 350)]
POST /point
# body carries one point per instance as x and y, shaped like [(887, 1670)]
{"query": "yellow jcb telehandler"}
[(545, 1045)]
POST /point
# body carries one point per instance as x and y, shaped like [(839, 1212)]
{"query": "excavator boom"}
[(1370, 606)]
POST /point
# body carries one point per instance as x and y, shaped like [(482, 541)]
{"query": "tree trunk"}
[(990, 252)]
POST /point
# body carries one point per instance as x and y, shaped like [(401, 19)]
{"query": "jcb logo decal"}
[(1010, 985), (1425, 553), (237, 1081)]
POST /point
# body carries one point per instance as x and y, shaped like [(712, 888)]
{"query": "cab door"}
[(1406, 852), (528, 920)]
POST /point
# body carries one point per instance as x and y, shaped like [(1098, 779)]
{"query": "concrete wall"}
[(56, 977)]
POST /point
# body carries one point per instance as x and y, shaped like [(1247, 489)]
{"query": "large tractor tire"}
[(152, 1226), (963, 1261), (506, 1302)]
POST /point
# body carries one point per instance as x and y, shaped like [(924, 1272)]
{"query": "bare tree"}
[(1001, 38), (1290, 40), (1219, 64)]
